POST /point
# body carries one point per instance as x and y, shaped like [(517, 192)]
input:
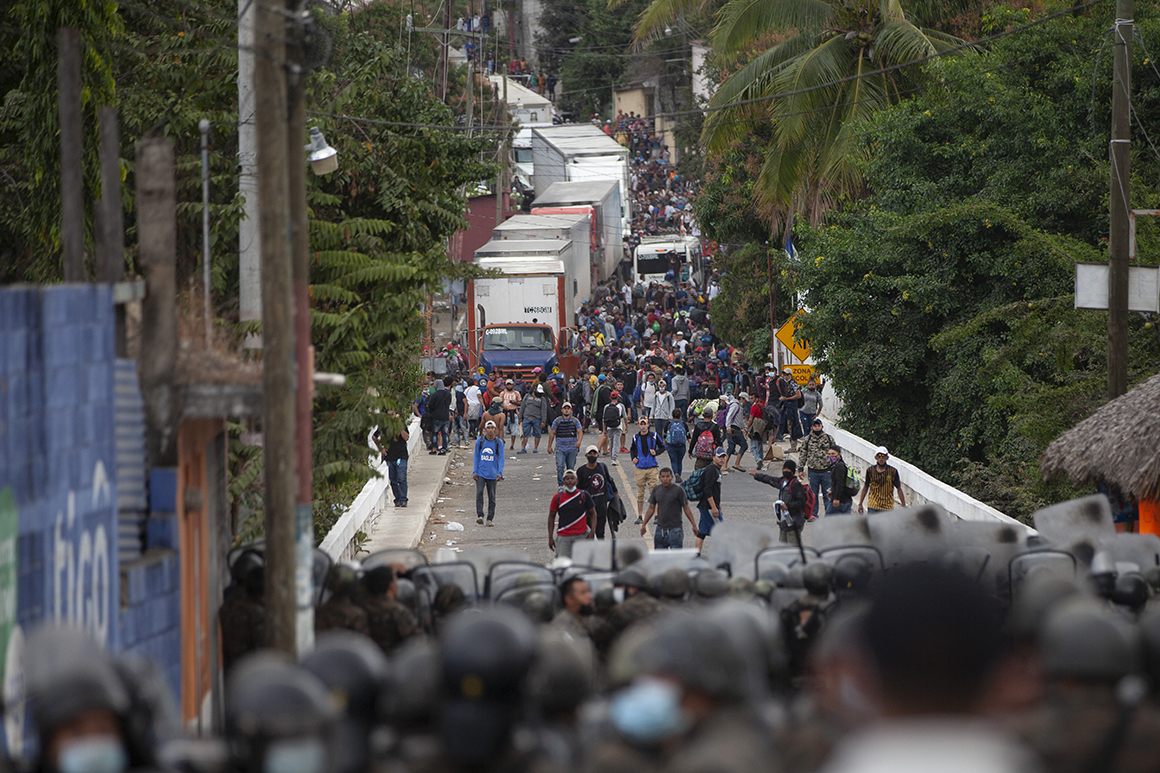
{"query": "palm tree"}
[(828, 69)]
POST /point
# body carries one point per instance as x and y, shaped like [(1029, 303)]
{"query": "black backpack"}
[(611, 415)]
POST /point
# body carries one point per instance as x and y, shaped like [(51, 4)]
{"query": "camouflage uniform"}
[(341, 612), (639, 606), (389, 622), (243, 622), (571, 624)]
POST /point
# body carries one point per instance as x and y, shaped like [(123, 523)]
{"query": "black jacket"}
[(793, 493), (838, 489)]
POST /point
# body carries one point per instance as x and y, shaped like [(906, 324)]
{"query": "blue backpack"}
[(676, 435)]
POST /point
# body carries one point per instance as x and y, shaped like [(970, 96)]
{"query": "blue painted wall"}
[(58, 514)]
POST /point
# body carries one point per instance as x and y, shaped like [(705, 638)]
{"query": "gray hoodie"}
[(534, 407), (680, 387)]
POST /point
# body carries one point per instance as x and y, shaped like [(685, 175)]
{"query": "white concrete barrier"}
[(368, 506), (920, 487)]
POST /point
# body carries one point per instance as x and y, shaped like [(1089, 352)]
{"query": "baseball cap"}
[(567, 473), (720, 452), (601, 377), (615, 394), (489, 424), (744, 395), (817, 420), (509, 381), (592, 449), (787, 370), (566, 404), (881, 450)]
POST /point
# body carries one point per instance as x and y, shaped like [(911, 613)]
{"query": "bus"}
[(655, 256)]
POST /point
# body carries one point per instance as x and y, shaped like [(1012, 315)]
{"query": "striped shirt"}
[(572, 510)]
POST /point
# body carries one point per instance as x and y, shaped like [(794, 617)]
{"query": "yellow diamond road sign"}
[(785, 336)]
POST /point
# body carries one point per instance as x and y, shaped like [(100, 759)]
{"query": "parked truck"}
[(600, 198), (573, 227), (581, 153), (520, 320), (655, 256)]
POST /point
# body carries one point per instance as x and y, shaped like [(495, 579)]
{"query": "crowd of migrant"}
[(899, 641), (662, 196)]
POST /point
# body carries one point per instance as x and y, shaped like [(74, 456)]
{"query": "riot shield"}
[(983, 550), (1131, 552), (1084, 519), (837, 530), (594, 553), (911, 533), (505, 575), (734, 546), (539, 601), (656, 562), (318, 571), (1039, 563), (781, 555), (408, 558)]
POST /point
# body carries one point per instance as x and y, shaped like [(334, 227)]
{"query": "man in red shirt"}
[(577, 517)]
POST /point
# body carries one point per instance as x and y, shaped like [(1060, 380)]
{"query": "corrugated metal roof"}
[(129, 442)]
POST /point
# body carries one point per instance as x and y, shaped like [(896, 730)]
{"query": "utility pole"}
[(277, 325), (303, 352), (109, 229), (72, 183), (1120, 218), (501, 175), (249, 234)]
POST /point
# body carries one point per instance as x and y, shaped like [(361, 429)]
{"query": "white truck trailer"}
[(573, 227), (601, 198), (578, 153)]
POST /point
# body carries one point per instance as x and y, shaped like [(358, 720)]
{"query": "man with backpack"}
[(595, 480), (844, 484), (815, 457), (794, 495), (675, 440), (706, 438), (487, 470), (567, 434), (789, 397), (646, 445), (703, 486), (612, 420), (736, 420)]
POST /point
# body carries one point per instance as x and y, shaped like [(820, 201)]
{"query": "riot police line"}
[(899, 641)]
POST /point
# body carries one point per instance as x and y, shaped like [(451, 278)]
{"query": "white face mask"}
[(569, 489)]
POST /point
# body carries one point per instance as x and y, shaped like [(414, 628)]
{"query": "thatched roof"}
[(1118, 444)]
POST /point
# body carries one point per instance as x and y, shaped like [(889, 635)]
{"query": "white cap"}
[(881, 450), (489, 424), (592, 449)]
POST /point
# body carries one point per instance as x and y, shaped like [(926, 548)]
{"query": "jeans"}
[(706, 521), (397, 475), (565, 460), (442, 435), (459, 426), (613, 443), (757, 451), (564, 544), (676, 458), (789, 421), (646, 480), (736, 444), (480, 485), (682, 406), (820, 483), (669, 539), (531, 428), (842, 509), (473, 427)]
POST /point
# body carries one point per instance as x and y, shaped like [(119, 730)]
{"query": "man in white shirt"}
[(681, 343), (474, 407)]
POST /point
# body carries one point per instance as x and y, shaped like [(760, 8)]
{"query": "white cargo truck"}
[(655, 256), (531, 110), (578, 153), (601, 198), (573, 227)]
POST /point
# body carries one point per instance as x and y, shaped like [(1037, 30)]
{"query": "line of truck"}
[(544, 265)]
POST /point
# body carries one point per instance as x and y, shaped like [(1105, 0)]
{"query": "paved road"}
[(523, 498)]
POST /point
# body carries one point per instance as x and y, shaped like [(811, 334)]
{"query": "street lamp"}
[(323, 158)]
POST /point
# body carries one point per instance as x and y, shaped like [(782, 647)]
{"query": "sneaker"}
[(432, 452), (443, 452), (638, 520), (522, 451), (479, 520), (624, 450), (401, 504), (615, 463), (724, 472), (811, 518), (678, 479), (489, 523), (535, 450)]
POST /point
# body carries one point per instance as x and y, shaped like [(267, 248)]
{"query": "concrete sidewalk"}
[(402, 527)]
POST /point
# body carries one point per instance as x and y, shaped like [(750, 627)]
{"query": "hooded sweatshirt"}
[(488, 462)]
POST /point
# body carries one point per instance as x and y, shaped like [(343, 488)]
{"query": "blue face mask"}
[(306, 755), (93, 754), (649, 711)]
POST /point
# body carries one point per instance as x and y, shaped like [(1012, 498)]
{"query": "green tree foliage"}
[(941, 303), (378, 225), (589, 68)]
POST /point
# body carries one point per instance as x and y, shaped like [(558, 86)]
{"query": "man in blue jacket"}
[(487, 469)]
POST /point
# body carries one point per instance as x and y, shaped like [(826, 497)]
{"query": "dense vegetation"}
[(940, 299), (378, 225)]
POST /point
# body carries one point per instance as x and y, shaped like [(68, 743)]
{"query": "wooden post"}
[(157, 246), (72, 183), (1119, 202), (277, 325), (304, 382), (109, 228)]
